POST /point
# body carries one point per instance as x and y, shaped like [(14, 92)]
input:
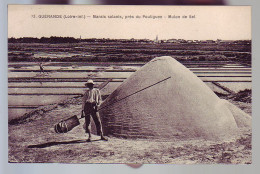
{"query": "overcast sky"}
[(214, 22)]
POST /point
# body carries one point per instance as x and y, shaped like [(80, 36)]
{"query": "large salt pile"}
[(164, 99)]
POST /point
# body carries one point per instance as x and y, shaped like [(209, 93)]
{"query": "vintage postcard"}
[(129, 84)]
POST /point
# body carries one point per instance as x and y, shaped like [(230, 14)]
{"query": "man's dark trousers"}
[(90, 109)]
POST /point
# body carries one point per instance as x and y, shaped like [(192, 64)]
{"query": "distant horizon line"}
[(122, 38)]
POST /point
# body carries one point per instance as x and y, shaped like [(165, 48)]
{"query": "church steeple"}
[(156, 39)]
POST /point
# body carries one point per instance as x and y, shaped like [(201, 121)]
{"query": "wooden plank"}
[(104, 84), (223, 88)]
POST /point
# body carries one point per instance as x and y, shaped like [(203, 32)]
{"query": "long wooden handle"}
[(134, 93)]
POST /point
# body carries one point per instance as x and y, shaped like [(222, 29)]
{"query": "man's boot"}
[(103, 138), (89, 137)]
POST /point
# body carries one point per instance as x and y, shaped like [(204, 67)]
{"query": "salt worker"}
[(41, 68), (90, 104)]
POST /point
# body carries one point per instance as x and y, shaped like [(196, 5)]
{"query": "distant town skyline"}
[(210, 23), (155, 39)]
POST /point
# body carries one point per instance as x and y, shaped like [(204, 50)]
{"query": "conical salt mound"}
[(164, 99)]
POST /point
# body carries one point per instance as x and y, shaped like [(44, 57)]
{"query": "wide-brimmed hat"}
[(90, 82)]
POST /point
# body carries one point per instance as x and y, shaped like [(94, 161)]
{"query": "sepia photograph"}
[(129, 84)]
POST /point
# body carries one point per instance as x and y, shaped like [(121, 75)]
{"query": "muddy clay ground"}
[(32, 139)]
